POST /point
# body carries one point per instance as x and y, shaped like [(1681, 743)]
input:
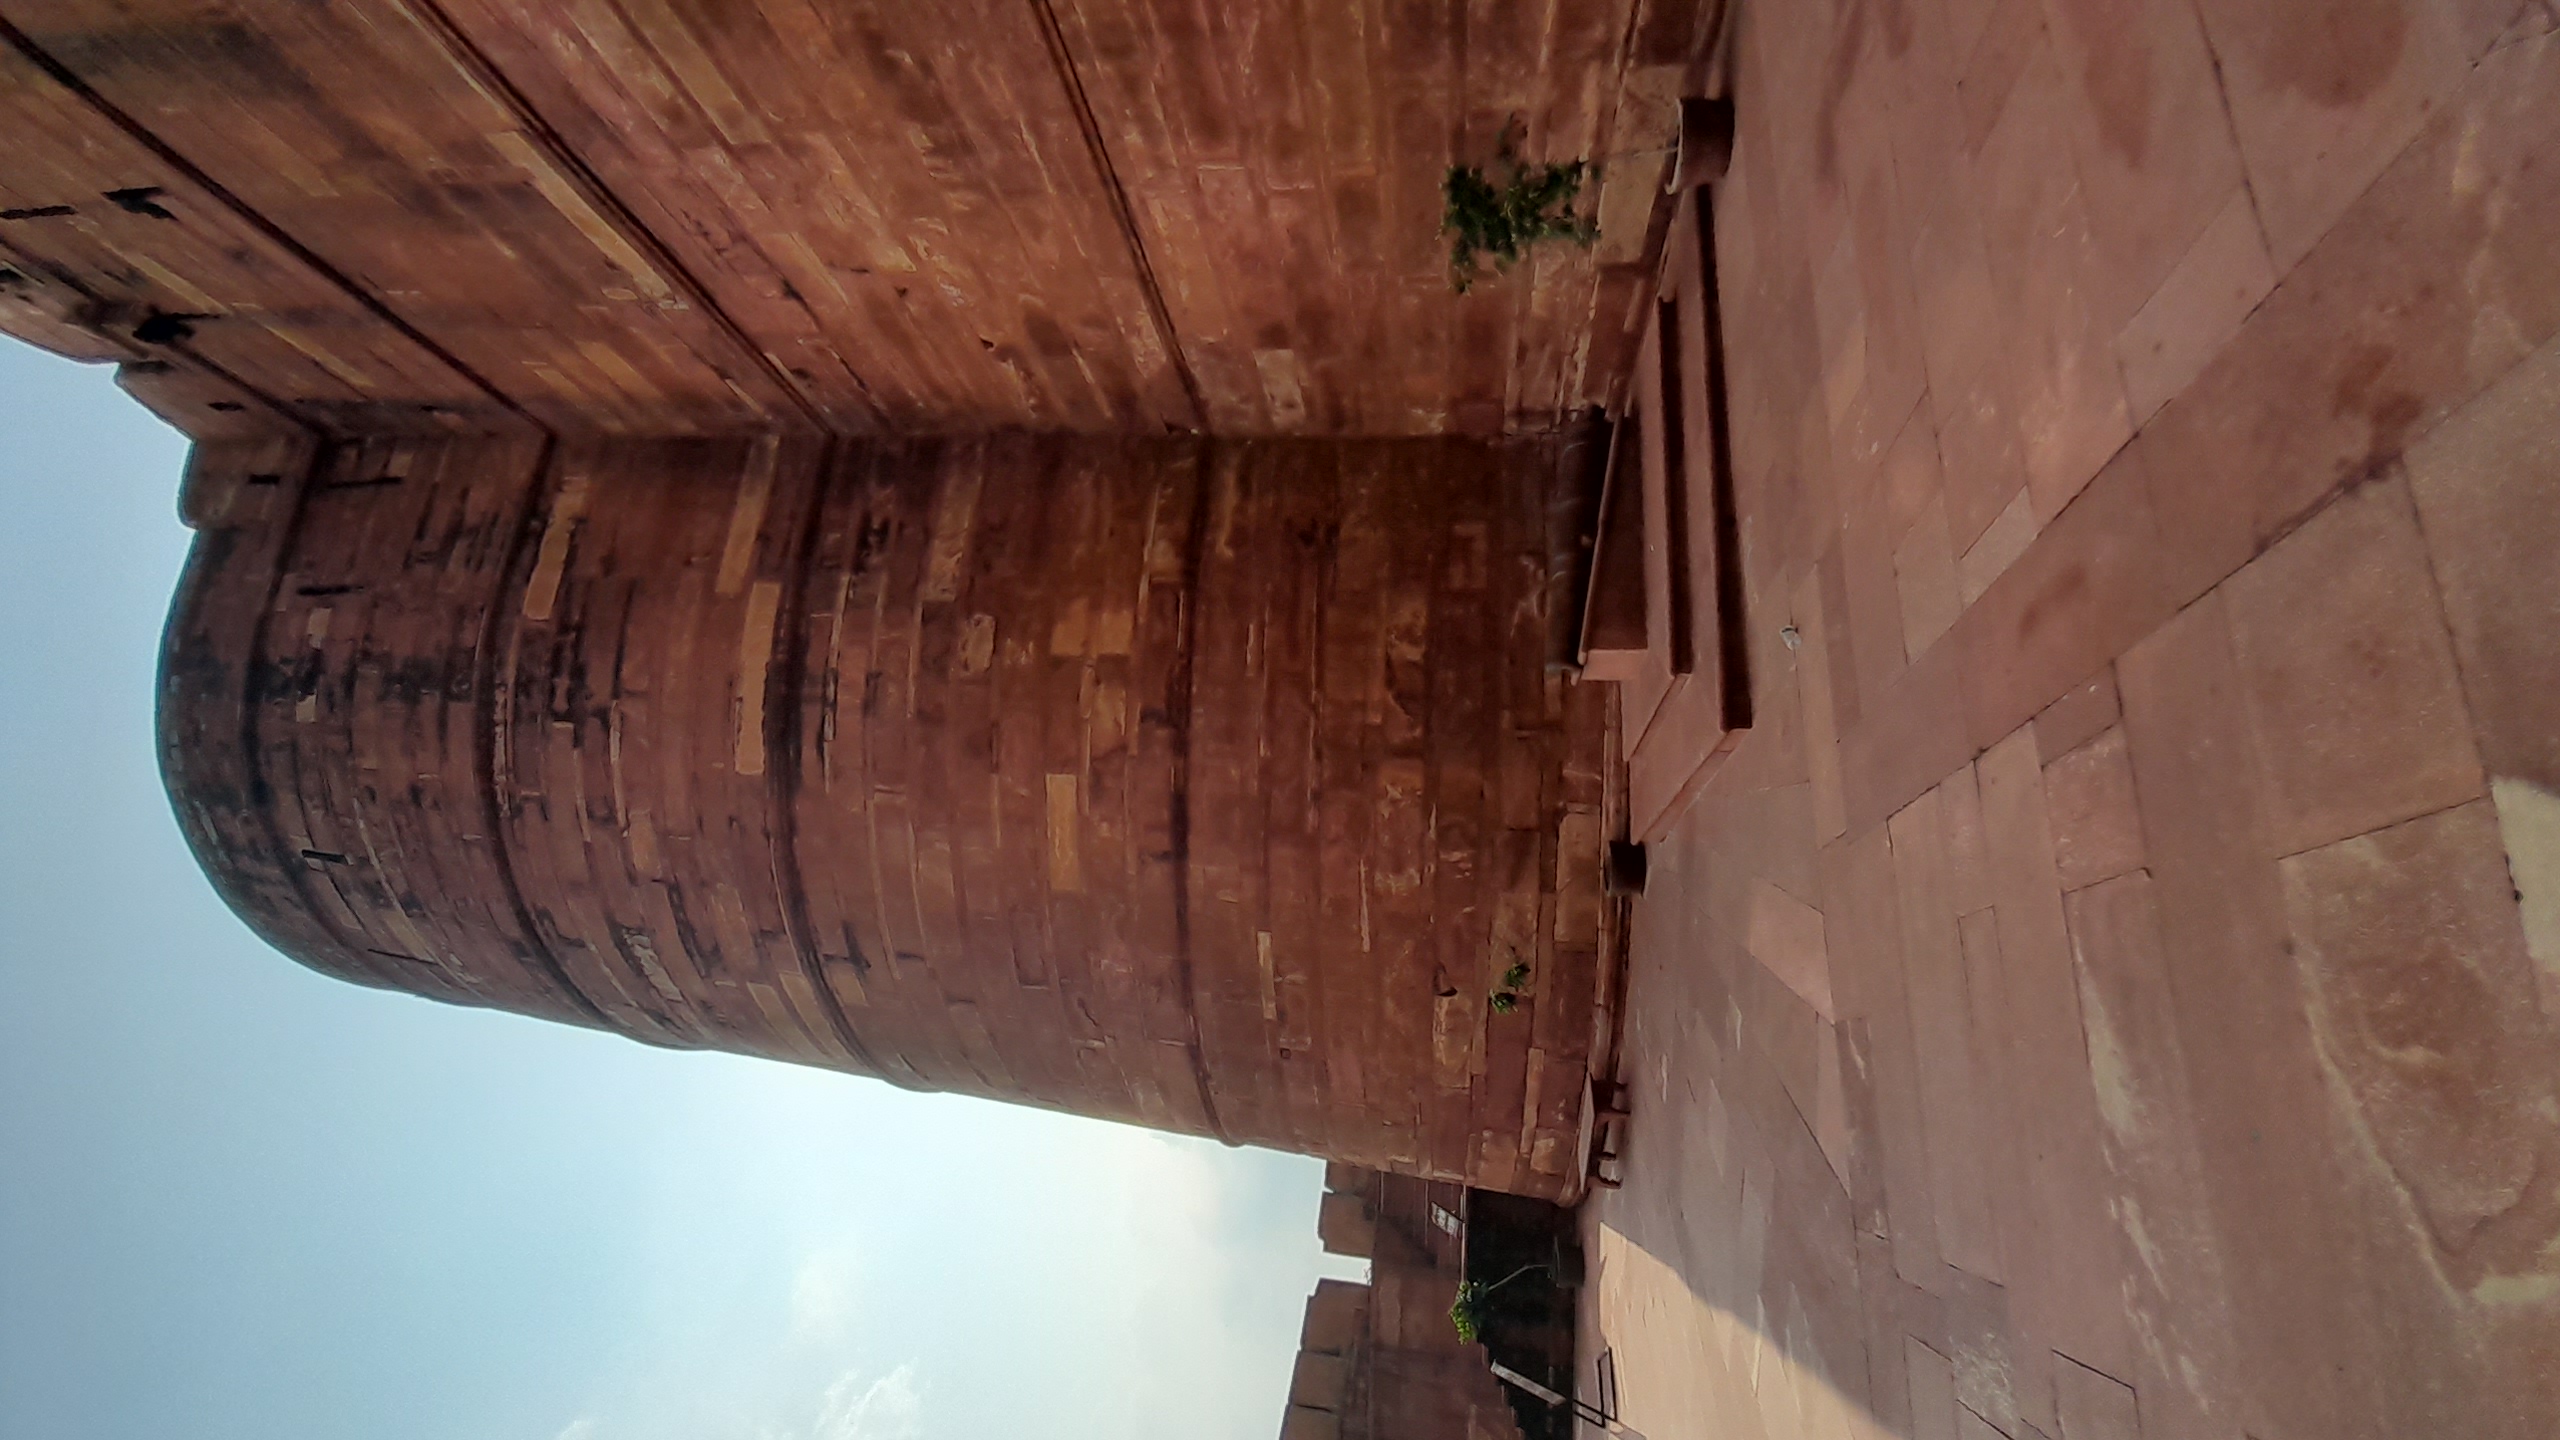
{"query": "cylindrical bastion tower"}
[(1217, 786)]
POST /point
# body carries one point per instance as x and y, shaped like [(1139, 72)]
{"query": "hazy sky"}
[(240, 1200)]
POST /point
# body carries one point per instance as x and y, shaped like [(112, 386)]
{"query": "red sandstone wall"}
[(1212, 786), (716, 216), (1207, 785), (1383, 1361)]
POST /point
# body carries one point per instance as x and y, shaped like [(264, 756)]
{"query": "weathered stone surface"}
[(2097, 835), (2426, 1010), (2349, 676), (1096, 215), (2484, 483), (1381, 1360), (2192, 890), (2110, 986), (1215, 787)]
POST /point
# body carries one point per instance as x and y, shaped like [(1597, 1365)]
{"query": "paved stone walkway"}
[(2113, 993)]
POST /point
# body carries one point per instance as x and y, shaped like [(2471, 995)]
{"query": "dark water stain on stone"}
[(1897, 28), (1839, 68), (2064, 597), (2117, 75), (2334, 54), (2392, 412)]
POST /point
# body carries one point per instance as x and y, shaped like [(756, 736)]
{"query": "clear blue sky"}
[(240, 1200)]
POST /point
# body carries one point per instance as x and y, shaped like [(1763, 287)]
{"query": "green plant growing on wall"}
[(1532, 203), (1514, 980), (1466, 1313), (1462, 1312)]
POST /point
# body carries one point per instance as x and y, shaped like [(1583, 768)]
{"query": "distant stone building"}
[(1383, 1361)]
